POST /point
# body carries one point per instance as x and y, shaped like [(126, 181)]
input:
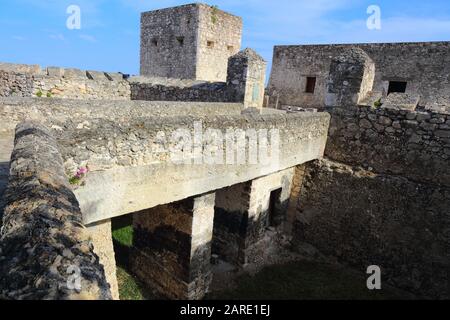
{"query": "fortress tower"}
[(193, 41)]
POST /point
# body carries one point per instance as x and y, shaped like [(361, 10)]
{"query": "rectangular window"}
[(154, 42), (210, 44), (180, 41), (310, 84), (397, 86), (230, 48)]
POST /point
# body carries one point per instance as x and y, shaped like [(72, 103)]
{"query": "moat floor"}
[(297, 280)]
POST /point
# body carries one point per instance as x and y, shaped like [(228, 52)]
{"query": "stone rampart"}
[(45, 251)]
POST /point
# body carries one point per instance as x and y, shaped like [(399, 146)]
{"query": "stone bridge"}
[(128, 148)]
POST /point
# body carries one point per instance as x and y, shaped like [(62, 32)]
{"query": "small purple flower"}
[(82, 171)]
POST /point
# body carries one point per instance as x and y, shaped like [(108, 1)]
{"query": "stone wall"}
[(189, 42), (15, 84), (51, 82), (219, 38), (363, 218), (45, 251), (381, 196), (244, 84), (413, 144), (157, 90), (169, 42), (424, 66)]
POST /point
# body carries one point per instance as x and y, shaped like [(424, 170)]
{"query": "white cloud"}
[(57, 36), (88, 38), (18, 38)]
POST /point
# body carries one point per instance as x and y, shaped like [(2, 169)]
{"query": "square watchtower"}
[(193, 41)]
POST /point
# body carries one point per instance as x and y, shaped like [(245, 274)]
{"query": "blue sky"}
[(34, 31)]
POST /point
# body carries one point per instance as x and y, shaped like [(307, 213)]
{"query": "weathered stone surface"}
[(121, 179), (398, 147), (62, 83), (45, 252), (350, 78), (367, 219), (101, 237), (193, 41), (172, 247), (393, 62), (244, 212)]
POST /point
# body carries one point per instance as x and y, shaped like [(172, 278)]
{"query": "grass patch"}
[(305, 281), (124, 236), (130, 288)]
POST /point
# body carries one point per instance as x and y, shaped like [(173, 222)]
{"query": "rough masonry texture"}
[(243, 215), (32, 81), (424, 66), (376, 193), (125, 161), (172, 247), (189, 42), (244, 83), (45, 252), (380, 197)]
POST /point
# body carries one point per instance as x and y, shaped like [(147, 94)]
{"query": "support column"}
[(172, 247), (101, 236), (245, 211)]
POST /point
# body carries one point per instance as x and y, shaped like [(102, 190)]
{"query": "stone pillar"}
[(246, 78), (101, 237), (172, 247), (244, 212), (351, 78)]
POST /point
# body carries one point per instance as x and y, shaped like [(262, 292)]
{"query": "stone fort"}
[(363, 175)]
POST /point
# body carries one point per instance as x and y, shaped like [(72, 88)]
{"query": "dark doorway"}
[(275, 210), (397, 86), (310, 84)]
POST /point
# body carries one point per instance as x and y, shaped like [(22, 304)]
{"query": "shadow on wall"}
[(4, 172), (365, 219), (239, 239)]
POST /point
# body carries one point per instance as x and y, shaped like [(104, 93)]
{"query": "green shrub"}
[(377, 103), (39, 94), (214, 14)]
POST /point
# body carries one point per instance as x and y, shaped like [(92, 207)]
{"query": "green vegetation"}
[(129, 287), (377, 103), (74, 181), (49, 94), (124, 236), (39, 94), (214, 12)]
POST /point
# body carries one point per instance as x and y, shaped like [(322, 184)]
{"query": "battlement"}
[(33, 80)]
